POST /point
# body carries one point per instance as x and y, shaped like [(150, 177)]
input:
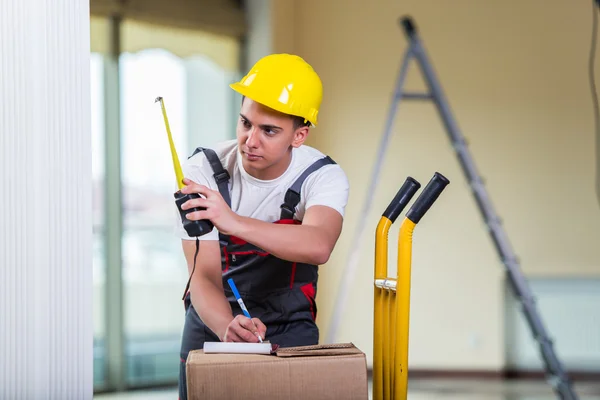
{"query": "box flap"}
[(336, 349)]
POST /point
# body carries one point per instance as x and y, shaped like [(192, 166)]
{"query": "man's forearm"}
[(211, 305), (298, 243)]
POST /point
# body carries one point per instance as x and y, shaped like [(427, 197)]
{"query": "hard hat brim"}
[(275, 105)]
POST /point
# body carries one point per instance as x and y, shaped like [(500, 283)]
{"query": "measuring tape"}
[(193, 228)]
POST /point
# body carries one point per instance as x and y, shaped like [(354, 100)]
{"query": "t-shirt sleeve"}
[(329, 187), (193, 169)]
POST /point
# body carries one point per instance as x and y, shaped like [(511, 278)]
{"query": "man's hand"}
[(244, 329), (217, 210)]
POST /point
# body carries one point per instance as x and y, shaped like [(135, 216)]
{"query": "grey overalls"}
[(279, 293)]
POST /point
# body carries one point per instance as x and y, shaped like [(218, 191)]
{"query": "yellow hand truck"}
[(392, 295)]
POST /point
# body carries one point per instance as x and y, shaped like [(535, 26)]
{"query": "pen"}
[(241, 303)]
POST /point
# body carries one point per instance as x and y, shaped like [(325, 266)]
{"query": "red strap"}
[(309, 292), (226, 258)]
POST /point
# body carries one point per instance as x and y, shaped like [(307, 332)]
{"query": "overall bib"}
[(279, 293)]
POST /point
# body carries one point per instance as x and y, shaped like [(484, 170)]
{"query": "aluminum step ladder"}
[(556, 375)]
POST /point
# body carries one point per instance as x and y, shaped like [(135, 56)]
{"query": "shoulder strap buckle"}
[(287, 212), (221, 176), (292, 195), (291, 199)]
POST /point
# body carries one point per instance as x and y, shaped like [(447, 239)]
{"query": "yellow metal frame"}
[(403, 308), (382, 298), (391, 319)]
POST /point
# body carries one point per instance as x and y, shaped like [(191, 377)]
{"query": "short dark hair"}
[(297, 122)]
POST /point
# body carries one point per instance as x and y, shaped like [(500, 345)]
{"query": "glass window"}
[(198, 104), (202, 111)]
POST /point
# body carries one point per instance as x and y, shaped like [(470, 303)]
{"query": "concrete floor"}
[(429, 389)]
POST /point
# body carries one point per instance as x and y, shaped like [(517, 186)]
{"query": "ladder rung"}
[(416, 96), (461, 143)]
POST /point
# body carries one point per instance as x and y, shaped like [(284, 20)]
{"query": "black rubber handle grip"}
[(193, 228), (429, 195), (408, 25), (402, 198)]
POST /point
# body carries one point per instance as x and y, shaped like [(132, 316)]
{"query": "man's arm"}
[(312, 242), (206, 285), (209, 300)]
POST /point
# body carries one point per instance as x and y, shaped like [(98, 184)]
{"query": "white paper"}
[(239, 348)]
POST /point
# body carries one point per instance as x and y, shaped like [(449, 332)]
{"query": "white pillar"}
[(45, 200)]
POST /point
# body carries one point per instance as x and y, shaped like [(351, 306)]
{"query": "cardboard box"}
[(335, 371)]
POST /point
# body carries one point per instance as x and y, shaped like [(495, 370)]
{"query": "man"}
[(277, 207)]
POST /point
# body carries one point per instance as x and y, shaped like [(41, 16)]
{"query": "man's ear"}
[(300, 136)]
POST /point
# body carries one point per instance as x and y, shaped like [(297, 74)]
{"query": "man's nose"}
[(253, 139)]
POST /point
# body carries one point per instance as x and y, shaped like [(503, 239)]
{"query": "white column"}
[(45, 200)]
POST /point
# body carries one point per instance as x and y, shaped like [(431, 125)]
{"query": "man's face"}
[(265, 138)]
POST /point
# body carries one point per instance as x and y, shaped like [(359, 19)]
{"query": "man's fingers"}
[(190, 186), (232, 336), (246, 323), (253, 325), (199, 215), (193, 187), (193, 203), (262, 329), (248, 329), (235, 333), (243, 329), (245, 335)]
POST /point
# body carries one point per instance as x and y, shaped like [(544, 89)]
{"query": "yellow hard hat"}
[(286, 83)]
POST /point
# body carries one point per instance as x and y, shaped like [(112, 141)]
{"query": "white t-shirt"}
[(261, 199)]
